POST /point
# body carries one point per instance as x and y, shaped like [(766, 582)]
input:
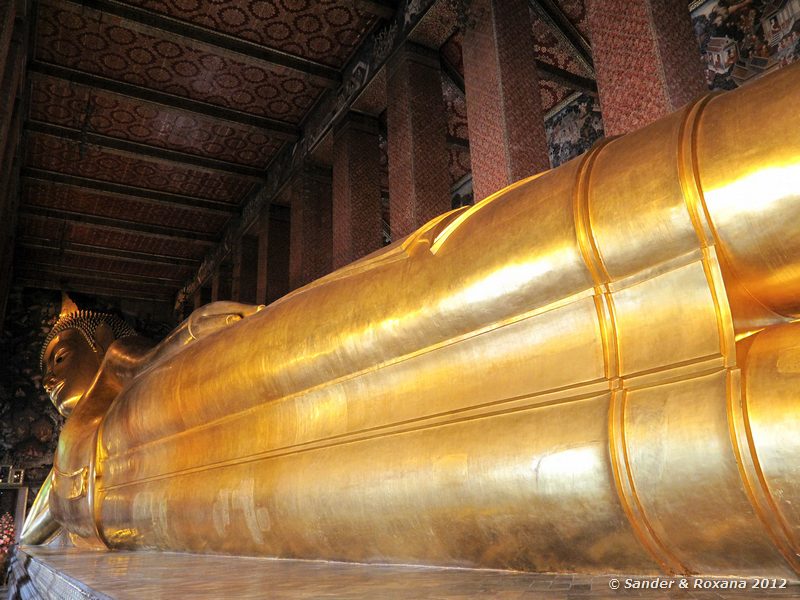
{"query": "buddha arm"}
[(40, 526), (203, 321)]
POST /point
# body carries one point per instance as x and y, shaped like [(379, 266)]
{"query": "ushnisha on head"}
[(73, 351)]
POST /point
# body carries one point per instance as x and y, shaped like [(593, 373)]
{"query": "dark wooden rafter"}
[(150, 196), (566, 78), (37, 280), (55, 266), (317, 72), (449, 70), (379, 8), (181, 159), (553, 15), (124, 226), (275, 128), (90, 250), (58, 273)]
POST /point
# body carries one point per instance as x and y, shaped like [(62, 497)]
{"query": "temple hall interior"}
[(158, 156)]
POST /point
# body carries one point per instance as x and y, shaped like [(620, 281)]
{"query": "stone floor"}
[(69, 573)]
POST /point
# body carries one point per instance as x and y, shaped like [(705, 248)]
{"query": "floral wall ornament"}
[(7, 541), (384, 42), (467, 15)]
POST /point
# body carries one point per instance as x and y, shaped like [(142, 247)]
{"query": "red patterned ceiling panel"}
[(100, 44), (65, 197), (576, 13), (325, 31), (552, 50), (83, 234), (65, 103), (66, 156)]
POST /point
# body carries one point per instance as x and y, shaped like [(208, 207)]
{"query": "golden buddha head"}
[(73, 351)]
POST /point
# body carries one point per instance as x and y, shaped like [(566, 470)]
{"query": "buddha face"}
[(70, 365)]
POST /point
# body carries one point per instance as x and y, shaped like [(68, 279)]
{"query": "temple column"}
[(356, 190), (215, 284), (263, 255), (236, 273), (249, 270), (197, 298), (311, 239), (419, 182), (278, 256), (507, 140), (647, 60)]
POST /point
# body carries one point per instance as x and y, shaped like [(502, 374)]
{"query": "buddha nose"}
[(49, 382)]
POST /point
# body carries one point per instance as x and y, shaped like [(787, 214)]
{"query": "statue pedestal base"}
[(67, 573)]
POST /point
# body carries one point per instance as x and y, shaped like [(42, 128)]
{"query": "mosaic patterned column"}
[(215, 285), (248, 281), (647, 60), (263, 255), (311, 237), (356, 190), (507, 139), (419, 186)]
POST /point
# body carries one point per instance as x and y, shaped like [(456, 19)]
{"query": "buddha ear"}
[(104, 337)]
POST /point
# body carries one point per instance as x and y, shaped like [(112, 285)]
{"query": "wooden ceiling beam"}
[(122, 225), (379, 8), (553, 15), (128, 191), (566, 78), (57, 273), (37, 280), (319, 73), (143, 258), (172, 157), (56, 266), (275, 128)]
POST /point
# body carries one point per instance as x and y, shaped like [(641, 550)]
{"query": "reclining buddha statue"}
[(596, 369)]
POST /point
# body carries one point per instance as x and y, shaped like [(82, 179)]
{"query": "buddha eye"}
[(60, 356)]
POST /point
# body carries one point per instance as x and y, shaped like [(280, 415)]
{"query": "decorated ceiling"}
[(151, 126)]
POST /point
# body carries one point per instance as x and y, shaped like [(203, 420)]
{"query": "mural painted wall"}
[(29, 424), (573, 129), (744, 39)]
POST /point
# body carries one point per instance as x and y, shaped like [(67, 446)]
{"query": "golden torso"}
[(549, 380)]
